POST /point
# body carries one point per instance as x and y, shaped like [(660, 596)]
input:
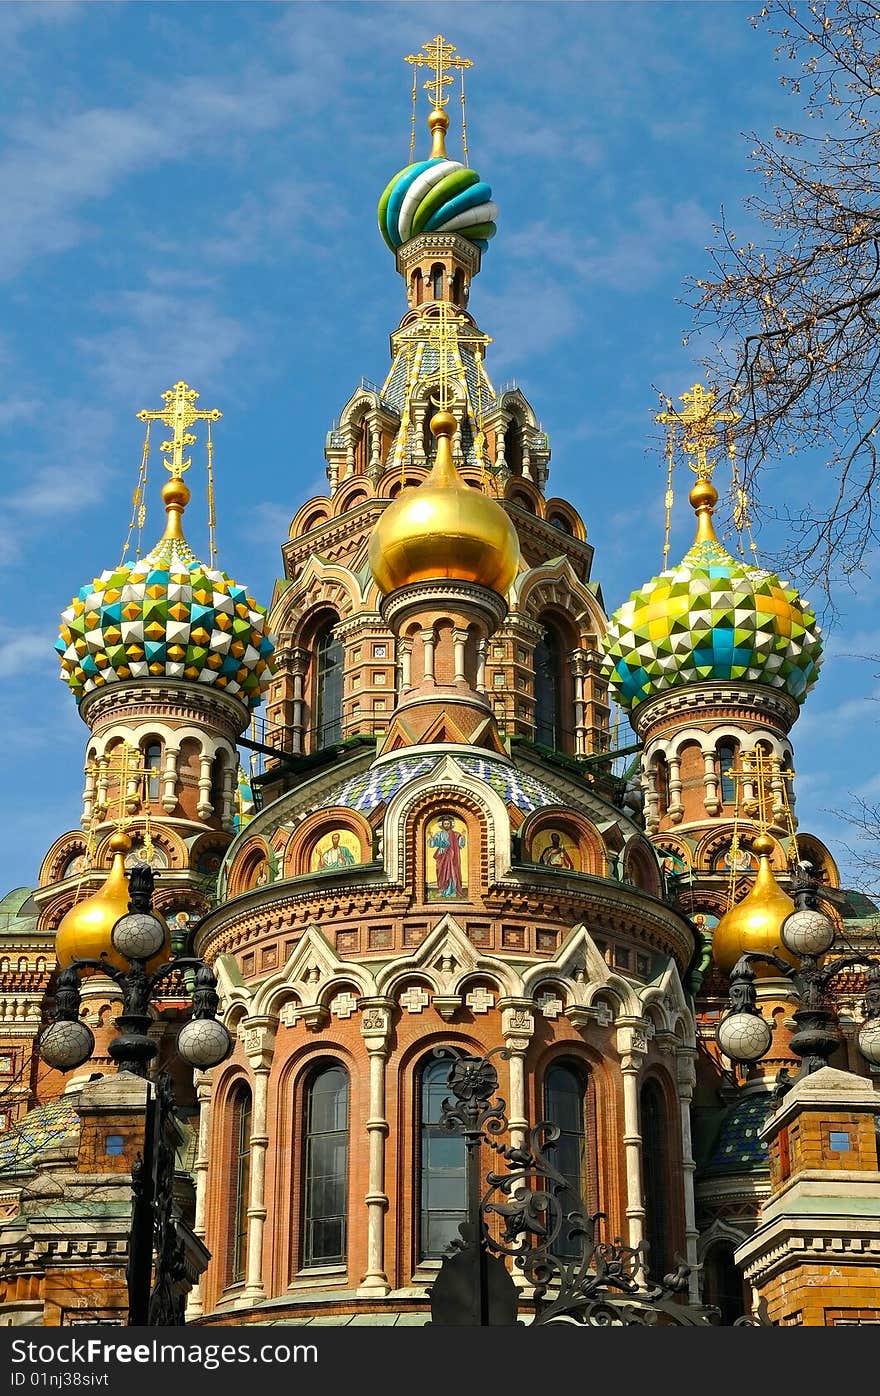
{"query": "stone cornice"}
[(749, 700), (181, 699), (420, 594)]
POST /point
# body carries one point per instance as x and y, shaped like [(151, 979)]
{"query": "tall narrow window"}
[(723, 1282), (726, 759), (660, 1216), (564, 1100), (329, 658), (241, 1182), (437, 282), (153, 763), (443, 1191), (218, 765), (661, 771), (548, 696), (326, 1168)]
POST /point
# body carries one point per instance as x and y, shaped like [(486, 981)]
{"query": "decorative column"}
[(418, 437), (204, 808), (227, 815), (459, 640), (258, 1036), (375, 468), (711, 800), (482, 652), (517, 1026), (169, 779), (676, 808), (300, 660), (652, 799), (376, 1030), (404, 652), (686, 1076), (577, 660), (204, 1094), (88, 794), (428, 639), (103, 763), (632, 1044)]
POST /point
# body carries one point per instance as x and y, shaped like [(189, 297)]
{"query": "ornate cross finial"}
[(699, 425), (438, 54), (179, 414)]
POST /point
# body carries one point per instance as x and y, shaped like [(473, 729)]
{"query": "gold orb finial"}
[(175, 497), (85, 930), (755, 922), (444, 529), (703, 498)]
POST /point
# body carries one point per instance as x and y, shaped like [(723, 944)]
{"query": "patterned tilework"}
[(377, 786), (738, 1148), (36, 1132), (167, 615), (711, 618)]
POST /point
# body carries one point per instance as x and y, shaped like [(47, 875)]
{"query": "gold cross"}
[(699, 426), (179, 414), (438, 55)]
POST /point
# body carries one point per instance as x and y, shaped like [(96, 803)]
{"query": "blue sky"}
[(189, 191)]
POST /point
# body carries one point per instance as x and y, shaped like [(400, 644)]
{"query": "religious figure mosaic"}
[(445, 859), (336, 850), (554, 849)]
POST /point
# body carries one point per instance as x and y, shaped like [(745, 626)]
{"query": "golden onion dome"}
[(84, 932), (755, 922), (444, 529)]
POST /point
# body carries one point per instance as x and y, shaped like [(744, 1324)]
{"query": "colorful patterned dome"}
[(167, 615), (437, 196), (711, 618)]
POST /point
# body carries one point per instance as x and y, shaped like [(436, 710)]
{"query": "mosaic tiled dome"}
[(711, 617), (167, 615), (376, 786), (437, 196)]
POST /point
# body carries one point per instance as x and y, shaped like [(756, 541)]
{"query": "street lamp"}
[(155, 1258), (745, 1036), (137, 936)]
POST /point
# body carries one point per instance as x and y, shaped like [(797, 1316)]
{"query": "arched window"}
[(329, 658), (661, 777), (241, 1183), (548, 691), (153, 763), (563, 525), (513, 448), (723, 1282), (218, 765), (566, 1096), (726, 759), (325, 1192), (442, 1168), (660, 1215), (437, 281)]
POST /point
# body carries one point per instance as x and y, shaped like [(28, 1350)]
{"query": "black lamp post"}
[(745, 1036), (154, 1291)]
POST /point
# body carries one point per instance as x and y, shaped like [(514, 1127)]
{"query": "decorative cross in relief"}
[(414, 999)]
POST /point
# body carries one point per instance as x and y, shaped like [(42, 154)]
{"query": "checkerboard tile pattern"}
[(377, 786)]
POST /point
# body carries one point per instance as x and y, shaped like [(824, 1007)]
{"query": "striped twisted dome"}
[(437, 196)]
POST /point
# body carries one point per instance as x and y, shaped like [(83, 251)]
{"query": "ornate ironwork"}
[(156, 1291), (524, 1215)]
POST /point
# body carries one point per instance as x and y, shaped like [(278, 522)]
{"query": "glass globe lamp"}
[(138, 935), (203, 1042), (65, 1045), (807, 932), (869, 1040), (744, 1037)]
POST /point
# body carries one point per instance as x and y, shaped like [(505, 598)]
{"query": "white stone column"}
[(88, 794), (103, 763), (632, 1045), (204, 808), (429, 639), (518, 1026), (376, 1030), (418, 436), (404, 653), (300, 662), (652, 798), (259, 1045), (482, 653), (578, 671), (711, 799), (227, 816), (686, 1078), (169, 779), (375, 448), (459, 641), (204, 1093), (675, 809)]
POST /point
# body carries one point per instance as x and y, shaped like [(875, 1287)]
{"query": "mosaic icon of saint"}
[(447, 844), (337, 855), (555, 855)]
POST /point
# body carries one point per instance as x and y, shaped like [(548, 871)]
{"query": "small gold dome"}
[(84, 932), (755, 922), (444, 529)]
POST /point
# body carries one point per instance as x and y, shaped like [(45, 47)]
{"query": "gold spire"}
[(179, 414), (85, 931), (698, 424), (439, 55)]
